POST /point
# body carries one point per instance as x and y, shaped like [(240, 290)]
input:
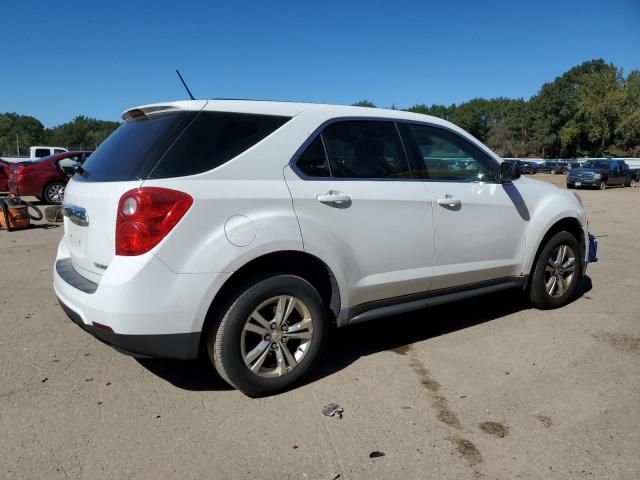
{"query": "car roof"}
[(289, 109)]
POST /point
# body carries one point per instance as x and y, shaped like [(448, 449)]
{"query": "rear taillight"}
[(145, 216)]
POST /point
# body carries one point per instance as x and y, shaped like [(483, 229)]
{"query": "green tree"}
[(599, 106), (81, 132), (556, 105), (628, 129), (27, 130), (363, 103)]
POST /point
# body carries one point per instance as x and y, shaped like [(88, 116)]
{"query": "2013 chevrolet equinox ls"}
[(242, 229)]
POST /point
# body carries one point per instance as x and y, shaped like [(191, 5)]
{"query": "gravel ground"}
[(487, 388)]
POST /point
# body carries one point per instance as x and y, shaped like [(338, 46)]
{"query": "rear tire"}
[(556, 273), (53, 193), (632, 183), (261, 351)]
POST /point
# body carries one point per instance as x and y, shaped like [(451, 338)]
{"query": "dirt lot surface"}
[(487, 388)]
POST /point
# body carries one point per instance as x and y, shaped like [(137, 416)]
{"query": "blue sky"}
[(68, 58)]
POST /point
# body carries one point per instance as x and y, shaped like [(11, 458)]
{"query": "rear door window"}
[(365, 149), (313, 162), (176, 144), (42, 152)]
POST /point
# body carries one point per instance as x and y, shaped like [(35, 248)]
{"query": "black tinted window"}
[(42, 152), (134, 148), (176, 144), (443, 155), (314, 161), (213, 139), (365, 149)]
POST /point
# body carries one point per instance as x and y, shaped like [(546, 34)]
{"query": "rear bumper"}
[(150, 310), (183, 346)]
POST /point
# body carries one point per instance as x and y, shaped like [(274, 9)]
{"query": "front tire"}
[(556, 272), (602, 185), (270, 336)]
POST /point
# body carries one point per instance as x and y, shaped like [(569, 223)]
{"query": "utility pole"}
[(18, 144)]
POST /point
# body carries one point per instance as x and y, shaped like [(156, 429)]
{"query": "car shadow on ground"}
[(347, 345)]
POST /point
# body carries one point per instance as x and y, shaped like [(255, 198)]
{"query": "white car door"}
[(361, 212), (479, 221)]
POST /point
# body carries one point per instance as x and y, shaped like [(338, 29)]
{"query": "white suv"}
[(242, 229)]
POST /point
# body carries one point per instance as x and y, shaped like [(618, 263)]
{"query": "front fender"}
[(548, 210)]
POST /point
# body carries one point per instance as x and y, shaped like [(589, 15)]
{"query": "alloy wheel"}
[(276, 337), (55, 193), (560, 270)]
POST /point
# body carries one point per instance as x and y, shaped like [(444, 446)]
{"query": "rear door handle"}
[(449, 202), (335, 199)]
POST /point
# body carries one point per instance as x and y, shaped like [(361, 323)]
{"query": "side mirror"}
[(509, 172)]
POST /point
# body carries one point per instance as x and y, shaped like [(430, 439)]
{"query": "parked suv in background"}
[(602, 173), (46, 177), (242, 229)]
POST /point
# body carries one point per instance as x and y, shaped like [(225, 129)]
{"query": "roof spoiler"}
[(145, 111)]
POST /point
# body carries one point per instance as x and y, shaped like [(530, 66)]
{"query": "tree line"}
[(23, 131), (593, 109), (590, 110)]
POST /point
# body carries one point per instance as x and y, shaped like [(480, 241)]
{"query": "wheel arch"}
[(294, 262), (567, 223)]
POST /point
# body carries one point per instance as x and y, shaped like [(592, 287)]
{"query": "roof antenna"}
[(185, 85)]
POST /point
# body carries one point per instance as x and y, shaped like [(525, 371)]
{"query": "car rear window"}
[(176, 144)]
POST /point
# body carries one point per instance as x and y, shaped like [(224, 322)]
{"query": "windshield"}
[(596, 164)]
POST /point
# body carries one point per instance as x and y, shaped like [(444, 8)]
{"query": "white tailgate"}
[(92, 242)]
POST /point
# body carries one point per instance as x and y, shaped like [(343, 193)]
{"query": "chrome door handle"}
[(449, 202), (335, 199)]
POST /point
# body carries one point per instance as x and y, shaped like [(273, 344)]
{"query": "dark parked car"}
[(46, 177), (553, 167), (603, 173), (525, 167), (528, 167)]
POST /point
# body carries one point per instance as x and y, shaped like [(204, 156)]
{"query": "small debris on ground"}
[(295, 447), (44, 379), (332, 409), (376, 454)]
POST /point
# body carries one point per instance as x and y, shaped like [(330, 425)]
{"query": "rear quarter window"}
[(212, 139), (176, 144)]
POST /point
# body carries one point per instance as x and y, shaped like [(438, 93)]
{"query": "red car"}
[(46, 177)]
